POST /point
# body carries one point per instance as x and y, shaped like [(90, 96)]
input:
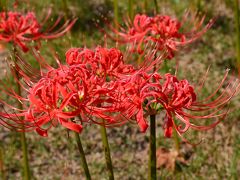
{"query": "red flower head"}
[(176, 95), (20, 28), (135, 90), (67, 92), (98, 85), (57, 97), (144, 94), (161, 30), (102, 61), (179, 100)]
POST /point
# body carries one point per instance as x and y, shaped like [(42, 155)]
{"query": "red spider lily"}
[(135, 91), (102, 61), (179, 100), (109, 63), (175, 96), (160, 29), (20, 28), (64, 93), (97, 85), (143, 94)]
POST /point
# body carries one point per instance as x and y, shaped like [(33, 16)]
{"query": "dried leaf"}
[(168, 158)]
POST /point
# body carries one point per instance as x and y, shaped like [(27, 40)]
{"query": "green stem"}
[(2, 171), (82, 156), (176, 140), (165, 66), (237, 19), (198, 4), (145, 6), (107, 152), (115, 6), (130, 9), (152, 149), (26, 169), (65, 7), (156, 6), (3, 5)]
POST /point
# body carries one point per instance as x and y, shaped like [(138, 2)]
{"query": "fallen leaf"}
[(168, 158)]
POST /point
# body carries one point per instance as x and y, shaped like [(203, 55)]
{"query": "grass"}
[(57, 157)]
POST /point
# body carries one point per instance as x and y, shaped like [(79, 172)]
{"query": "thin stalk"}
[(152, 171), (26, 169), (3, 5), (237, 19), (176, 141), (199, 7), (107, 152), (156, 6), (165, 66), (130, 9), (115, 6), (145, 6), (82, 156), (65, 7), (2, 170)]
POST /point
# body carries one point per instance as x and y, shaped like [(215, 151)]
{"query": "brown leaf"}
[(2, 47), (168, 158)]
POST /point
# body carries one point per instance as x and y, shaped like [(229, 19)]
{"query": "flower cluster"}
[(99, 87), (84, 87), (161, 30), (20, 28)]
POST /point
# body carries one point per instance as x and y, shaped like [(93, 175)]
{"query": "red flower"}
[(162, 30), (136, 89), (98, 86), (143, 94), (175, 97), (21, 28), (101, 61), (179, 100), (64, 93)]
